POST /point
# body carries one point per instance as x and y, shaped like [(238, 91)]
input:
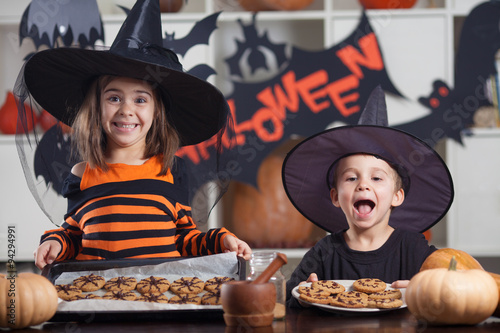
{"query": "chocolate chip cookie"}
[(369, 285)]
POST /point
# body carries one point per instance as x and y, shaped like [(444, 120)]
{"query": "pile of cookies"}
[(185, 290), (366, 293)]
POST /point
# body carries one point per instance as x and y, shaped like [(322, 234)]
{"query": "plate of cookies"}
[(367, 295)]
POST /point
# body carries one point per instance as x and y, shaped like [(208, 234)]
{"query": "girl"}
[(130, 109)]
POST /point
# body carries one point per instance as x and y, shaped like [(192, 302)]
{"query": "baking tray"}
[(54, 271)]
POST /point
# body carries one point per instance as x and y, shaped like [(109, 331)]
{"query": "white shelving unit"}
[(417, 45), (473, 222)]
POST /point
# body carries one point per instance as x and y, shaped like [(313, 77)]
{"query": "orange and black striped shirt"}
[(130, 212)]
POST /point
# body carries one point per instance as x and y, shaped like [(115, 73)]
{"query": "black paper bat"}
[(453, 109), (253, 43), (53, 158), (70, 21), (199, 34)]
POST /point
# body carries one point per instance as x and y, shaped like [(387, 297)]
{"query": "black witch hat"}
[(58, 79), (308, 170)]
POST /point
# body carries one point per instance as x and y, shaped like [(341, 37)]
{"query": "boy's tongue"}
[(364, 206)]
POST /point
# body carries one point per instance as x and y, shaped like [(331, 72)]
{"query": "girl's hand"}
[(241, 248), (46, 253), (400, 284)]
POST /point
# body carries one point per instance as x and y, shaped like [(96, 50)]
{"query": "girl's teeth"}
[(125, 126)]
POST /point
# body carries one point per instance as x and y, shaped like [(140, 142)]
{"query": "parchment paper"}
[(205, 268)]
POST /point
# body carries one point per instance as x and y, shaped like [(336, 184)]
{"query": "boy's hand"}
[(241, 248), (312, 277), (400, 284), (46, 253)]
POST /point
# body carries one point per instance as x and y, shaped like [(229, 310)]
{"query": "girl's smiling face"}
[(366, 190), (127, 107)]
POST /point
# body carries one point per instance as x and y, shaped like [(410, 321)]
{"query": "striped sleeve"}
[(69, 236), (192, 242)]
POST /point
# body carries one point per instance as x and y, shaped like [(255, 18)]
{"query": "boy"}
[(383, 188)]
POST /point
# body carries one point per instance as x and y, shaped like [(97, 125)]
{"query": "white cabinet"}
[(473, 222), (417, 45)]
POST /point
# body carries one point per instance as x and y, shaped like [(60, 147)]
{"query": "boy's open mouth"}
[(364, 206)]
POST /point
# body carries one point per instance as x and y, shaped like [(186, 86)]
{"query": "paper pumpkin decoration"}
[(263, 216)]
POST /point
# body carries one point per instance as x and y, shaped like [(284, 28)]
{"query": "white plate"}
[(336, 309)]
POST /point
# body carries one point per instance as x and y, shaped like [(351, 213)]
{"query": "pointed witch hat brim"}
[(58, 79), (308, 171)]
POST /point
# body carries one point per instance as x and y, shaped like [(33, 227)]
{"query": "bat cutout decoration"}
[(199, 34), (453, 109), (70, 22), (252, 44)]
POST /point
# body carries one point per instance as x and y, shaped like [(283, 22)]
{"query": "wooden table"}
[(297, 320)]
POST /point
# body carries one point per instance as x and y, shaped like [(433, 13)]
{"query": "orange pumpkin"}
[(450, 296), (26, 299), (46, 120), (387, 4), (8, 116), (259, 5), (441, 258), (171, 6), (265, 216)]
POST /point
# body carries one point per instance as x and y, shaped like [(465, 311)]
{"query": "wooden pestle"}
[(276, 264)]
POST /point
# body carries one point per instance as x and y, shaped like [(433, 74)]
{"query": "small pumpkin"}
[(8, 116), (387, 4), (171, 6), (46, 121), (448, 296), (26, 299), (441, 258), (260, 5)]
